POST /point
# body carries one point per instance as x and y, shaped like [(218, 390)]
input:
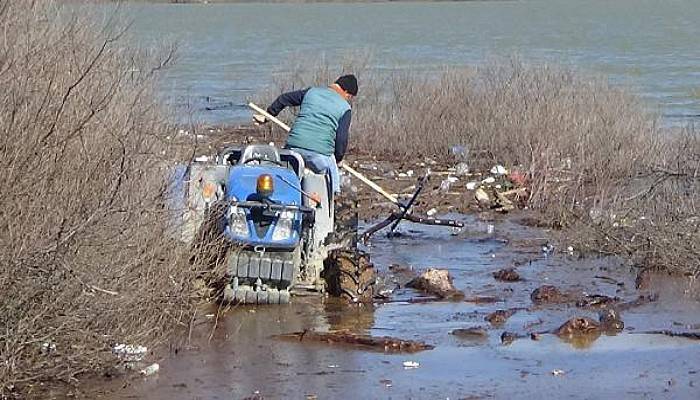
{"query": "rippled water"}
[(227, 51)]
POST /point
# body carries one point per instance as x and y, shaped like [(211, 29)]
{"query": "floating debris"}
[(499, 170), (558, 372), (482, 197), (507, 275), (499, 317), (639, 301), (437, 282), (472, 333), (610, 321), (411, 364), (548, 294), (687, 335), (385, 344), (130, 353), (509, 337), (150, 370), (483, 299), (596, 300), (577, 326)]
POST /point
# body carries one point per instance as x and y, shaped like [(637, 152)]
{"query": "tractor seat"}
[(261, 153)]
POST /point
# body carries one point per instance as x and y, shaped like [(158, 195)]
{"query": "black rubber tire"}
[(350, 276), (347, 271)]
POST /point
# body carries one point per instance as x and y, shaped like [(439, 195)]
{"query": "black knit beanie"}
[(348, 83)]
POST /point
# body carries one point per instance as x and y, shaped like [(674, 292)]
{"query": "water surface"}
[(229, 51)]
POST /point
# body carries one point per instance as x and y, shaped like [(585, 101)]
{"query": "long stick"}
[(351, 170), (270, 117)]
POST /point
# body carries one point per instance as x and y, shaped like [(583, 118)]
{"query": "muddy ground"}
[(233, 354), (237, 357)]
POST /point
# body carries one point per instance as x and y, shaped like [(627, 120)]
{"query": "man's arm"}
[(341, 135), (289, 99)]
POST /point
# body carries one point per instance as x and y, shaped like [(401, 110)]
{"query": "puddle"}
[(242, 359)]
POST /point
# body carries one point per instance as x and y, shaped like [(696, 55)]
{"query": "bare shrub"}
[(593, 153), (85, 259)]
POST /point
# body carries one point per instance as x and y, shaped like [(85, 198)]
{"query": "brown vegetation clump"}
[(594, 157), (86, 258)]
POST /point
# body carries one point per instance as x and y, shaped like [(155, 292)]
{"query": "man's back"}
[(316, 125)]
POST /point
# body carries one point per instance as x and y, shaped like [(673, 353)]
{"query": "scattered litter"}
[(402, 175), (386, 382), (410, 364), (48, 348), (201, 159), (507, 275), (150, 370), (499, 317), (409, 173), (558, 372), (333, 366), (489, 180), (462, 168), (200, 136), (431, 212), (490, 229), (472, 185), (210, 316), (499, 170), (570, 249), (547, 249), (128, 352), (445, 185), (482, 197)]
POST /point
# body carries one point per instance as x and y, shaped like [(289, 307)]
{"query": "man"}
[(320, 131)]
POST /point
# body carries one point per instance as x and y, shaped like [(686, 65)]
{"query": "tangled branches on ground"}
[(86, 260)]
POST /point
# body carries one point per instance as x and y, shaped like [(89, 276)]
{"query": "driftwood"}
[(687, 335), (483, 299), (507, 275), (385, 344), (437, 282)]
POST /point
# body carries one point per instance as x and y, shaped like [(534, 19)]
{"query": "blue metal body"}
[(242, 186)]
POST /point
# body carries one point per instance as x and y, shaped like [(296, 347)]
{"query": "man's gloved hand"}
[(259, 119)]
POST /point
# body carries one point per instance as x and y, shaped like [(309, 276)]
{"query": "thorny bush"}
[(86, 259), (595, 156)]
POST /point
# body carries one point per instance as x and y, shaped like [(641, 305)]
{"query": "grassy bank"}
[(598, 163), (85, 258)]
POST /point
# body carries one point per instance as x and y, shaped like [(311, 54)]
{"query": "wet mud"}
[(566, 342)]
